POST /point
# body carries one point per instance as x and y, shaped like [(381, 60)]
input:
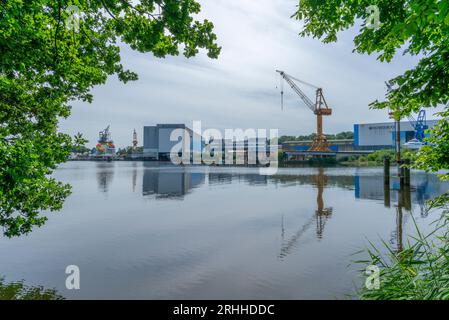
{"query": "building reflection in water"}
[(170, 183), (423, 187), (216, 178), (134, 179), (105, 175), (176, 182)]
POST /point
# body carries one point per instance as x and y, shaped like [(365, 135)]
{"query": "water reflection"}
[(302, 226), (320, 217), (404, 205), (134, 176), (322, 213), (251, 178), (105, 175), (166, 184), (423, 187), (366, 187), (18, 290)]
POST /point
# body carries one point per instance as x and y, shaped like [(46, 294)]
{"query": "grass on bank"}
[(421, 270), (377, 158)]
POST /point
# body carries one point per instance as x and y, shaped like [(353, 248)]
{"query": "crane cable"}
[(303, 82), (282, 92), (283, 76)]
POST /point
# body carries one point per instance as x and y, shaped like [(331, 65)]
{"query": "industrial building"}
[(157, 144), (376, 136), (368, 138)]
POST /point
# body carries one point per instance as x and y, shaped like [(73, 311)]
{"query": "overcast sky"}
[(241, 88)]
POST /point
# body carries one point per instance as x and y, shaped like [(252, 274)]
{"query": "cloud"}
[(239, 90)]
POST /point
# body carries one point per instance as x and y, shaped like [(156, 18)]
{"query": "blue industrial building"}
[(368, 137), (376, 136)]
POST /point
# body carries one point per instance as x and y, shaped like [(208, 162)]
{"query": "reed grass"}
[(421, 270)]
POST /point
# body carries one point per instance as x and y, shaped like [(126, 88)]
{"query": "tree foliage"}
[(414, 27), (339, 136), (435, 155), (127, 151), (46, 63)]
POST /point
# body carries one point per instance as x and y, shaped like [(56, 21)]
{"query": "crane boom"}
[(302, 95)]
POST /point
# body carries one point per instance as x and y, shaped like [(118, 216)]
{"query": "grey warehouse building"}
[(157, 144)]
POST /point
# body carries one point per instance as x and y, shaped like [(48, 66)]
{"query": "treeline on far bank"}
[(345, 135), (377, 158), (373, 159)]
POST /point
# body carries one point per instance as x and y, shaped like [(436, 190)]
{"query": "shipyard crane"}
[(319, 108), (105, 135), (419, 125)]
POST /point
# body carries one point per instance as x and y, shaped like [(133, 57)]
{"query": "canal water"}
[(151, 231)]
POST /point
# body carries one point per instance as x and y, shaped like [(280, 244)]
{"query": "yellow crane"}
[(319, 108)]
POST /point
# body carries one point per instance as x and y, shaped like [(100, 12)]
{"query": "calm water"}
[(148, 231)]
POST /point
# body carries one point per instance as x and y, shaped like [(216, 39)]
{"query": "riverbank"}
[(375, 159), (420, 270)]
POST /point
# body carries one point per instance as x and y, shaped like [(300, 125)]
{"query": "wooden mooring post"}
[(387, 182), (405, 173), (387, 171)]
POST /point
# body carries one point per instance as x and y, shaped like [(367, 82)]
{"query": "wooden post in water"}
[(387, 171), (407, 172), (387, 197), (399, 229), (387, 182), (398, 145), (407, 198), (402, 175), (401, 171)]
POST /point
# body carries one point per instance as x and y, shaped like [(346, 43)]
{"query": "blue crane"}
[(420, 125)]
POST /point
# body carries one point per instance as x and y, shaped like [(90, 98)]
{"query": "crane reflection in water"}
[(319, 218), (368, 188), (168, 182)]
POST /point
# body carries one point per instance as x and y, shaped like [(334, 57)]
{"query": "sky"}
[(240, 89)]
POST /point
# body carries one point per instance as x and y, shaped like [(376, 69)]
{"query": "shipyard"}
[(158, 143), (205, 157)]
